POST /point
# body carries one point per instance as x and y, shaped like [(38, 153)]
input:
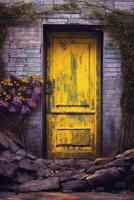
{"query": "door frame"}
[(97, 31)]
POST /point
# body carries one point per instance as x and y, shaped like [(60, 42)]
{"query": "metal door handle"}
[(49, 87)]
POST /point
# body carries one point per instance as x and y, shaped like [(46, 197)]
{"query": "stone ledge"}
[(21, 171)]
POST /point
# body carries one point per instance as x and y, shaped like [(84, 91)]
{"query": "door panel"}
[(71, 101)]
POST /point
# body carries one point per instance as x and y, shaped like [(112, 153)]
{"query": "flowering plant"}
[(20, 94)]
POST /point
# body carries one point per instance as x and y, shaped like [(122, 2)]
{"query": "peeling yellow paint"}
[(71, 116)]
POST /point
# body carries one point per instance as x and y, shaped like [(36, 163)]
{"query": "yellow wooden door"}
[(71, 95)]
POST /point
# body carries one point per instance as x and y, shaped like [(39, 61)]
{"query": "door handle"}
[(49, 87)]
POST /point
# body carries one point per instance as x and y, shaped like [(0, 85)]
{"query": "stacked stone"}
[(23, 53), (20, 171)]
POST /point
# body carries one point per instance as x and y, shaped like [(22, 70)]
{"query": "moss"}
[(67, 6)]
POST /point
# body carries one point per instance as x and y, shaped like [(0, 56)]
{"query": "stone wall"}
[(23, 53)]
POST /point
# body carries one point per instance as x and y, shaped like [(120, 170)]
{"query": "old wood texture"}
[(72, 94)]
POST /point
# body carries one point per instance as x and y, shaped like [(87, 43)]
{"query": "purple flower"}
[(22, 88), (13, 77), (34, 81), (25, 109), (1, 89), (17, 101), (12, 91), (31, 102), (4, 105), (37, 91), (12, 109), (28, 91)]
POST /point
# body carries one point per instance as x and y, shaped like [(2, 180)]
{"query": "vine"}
[(123, 33), (122, 30)]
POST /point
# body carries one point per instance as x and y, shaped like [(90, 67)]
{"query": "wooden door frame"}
[(97, 31)]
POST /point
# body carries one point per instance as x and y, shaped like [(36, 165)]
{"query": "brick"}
[(109, 83), (34, 60), (33, 69), (47, 2), (78, 21), (57, 21)]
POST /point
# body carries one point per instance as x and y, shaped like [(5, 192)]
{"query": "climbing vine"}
[(122, 31)]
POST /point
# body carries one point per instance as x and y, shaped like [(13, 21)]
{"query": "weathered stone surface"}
[(83, 163), (36, 174), (23, 177), (74, 185), (121, 162), (21, 152), (132, 168), (27, 165), (92, 169), (102, 176), (18, 157), (100, 189), (3, 142), (65, 162), (41, 172), (12, 146), (31, 156), (51, 183), (7, 156), (40, 162), (120, 185), (102, 161), (7, 169)]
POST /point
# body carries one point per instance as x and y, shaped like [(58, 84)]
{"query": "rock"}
[(18, 158), (23, 170), (10, 186), (41, 172), (121, 162), (23, 177), (66, 173), (65, 162), (57, 167), (21, 152), (132, 186), (2, 168), (126, 153), (100, 189), (9, 170), (12, 146), (40, 162), (132, 168), (31, 156), (51, 183), (75, 185), (7, 156), (102, 176), (27, 165), (80, 176), (94, 168), (120, 186), (82, 163), (102, 161), (3, 142)]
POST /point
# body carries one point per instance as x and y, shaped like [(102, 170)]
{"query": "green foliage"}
[(123, 33)]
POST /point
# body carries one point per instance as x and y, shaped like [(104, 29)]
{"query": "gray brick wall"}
[(23, 53)]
